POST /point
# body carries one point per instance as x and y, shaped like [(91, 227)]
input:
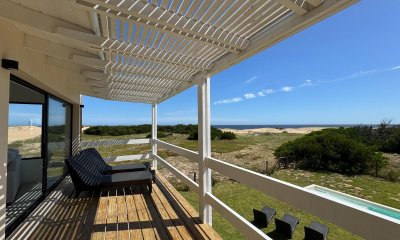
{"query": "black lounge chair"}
[(88, 177), (93, 157), (286, 225), (316, 231), (263, 218)]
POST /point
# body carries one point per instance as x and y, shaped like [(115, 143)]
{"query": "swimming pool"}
[(357, 202)]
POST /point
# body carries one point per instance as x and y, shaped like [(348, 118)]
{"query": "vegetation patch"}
[(355, 150)]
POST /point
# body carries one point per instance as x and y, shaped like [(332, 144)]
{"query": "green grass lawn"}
[(243, 199)]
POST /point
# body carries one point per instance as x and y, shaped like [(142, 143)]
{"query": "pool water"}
[(381, 209)]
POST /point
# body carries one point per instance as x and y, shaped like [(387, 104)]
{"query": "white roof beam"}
[(20, 14), (300, 10), (315, 3), (130, 79), (93, 6), (130, 49)]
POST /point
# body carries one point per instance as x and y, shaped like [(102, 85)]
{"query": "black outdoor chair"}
[(286, 225), (88, 177), (316, 231), (93, 157), (263, 217)]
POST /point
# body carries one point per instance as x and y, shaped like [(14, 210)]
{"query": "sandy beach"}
[(304, 130)]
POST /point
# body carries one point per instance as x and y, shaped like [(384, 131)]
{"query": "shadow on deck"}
[(115, 214)]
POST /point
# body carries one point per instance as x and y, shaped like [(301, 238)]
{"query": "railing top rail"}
[(114, 142), (191, 155)]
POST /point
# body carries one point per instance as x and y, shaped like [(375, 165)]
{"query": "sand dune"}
[(23, 133), (304, 130)]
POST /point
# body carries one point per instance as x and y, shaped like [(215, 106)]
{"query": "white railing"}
[(355, 220), (103, 143), (191, 155)]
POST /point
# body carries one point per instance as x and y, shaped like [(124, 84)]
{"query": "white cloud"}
[(249, 95), (266, 92), (398, 67), (250, 80), (307, 83), (287, 89), (231, 100)]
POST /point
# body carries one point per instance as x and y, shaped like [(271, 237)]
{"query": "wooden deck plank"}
[(115, 214), (158, 223), (133, 217), (167, 216), (187, 213), (145, 223)]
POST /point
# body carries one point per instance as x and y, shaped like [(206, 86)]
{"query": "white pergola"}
[(149, 51)]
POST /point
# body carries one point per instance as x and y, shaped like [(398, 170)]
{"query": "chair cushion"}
[(12, 155)]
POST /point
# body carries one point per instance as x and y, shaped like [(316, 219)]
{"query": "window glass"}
[(25, 129)]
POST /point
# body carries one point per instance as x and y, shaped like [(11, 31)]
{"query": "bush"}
[(215, 135), (332, 150), (393, 175), (228, 136), (159, 135)]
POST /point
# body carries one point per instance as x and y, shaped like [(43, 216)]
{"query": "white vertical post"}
[(154, 134), (76, 127), (204, 148), (4, 100)]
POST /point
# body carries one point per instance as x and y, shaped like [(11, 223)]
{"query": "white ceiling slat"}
[(174, 5), (164, 4), (121, 36), (202, 10), (129, 33), (113, 28), (161, 24), (193, 8), (224, 7), (184, 6)]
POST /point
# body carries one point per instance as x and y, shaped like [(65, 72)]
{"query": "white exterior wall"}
[(33, 67)]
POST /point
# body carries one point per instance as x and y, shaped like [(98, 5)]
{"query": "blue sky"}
[(344, 70)]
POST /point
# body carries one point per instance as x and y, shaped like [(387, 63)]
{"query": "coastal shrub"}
[(138, 129), (159, 135), (216, 134), (332, 150), (117, 130), (228, 136)]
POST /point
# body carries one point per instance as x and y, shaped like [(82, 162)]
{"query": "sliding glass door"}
[(58, 138)]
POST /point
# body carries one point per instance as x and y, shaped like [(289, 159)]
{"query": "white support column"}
[(154, 134), (204, 148), (76, 127), (4, 100)]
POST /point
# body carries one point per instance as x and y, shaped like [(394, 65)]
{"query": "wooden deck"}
[(115, 214)]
